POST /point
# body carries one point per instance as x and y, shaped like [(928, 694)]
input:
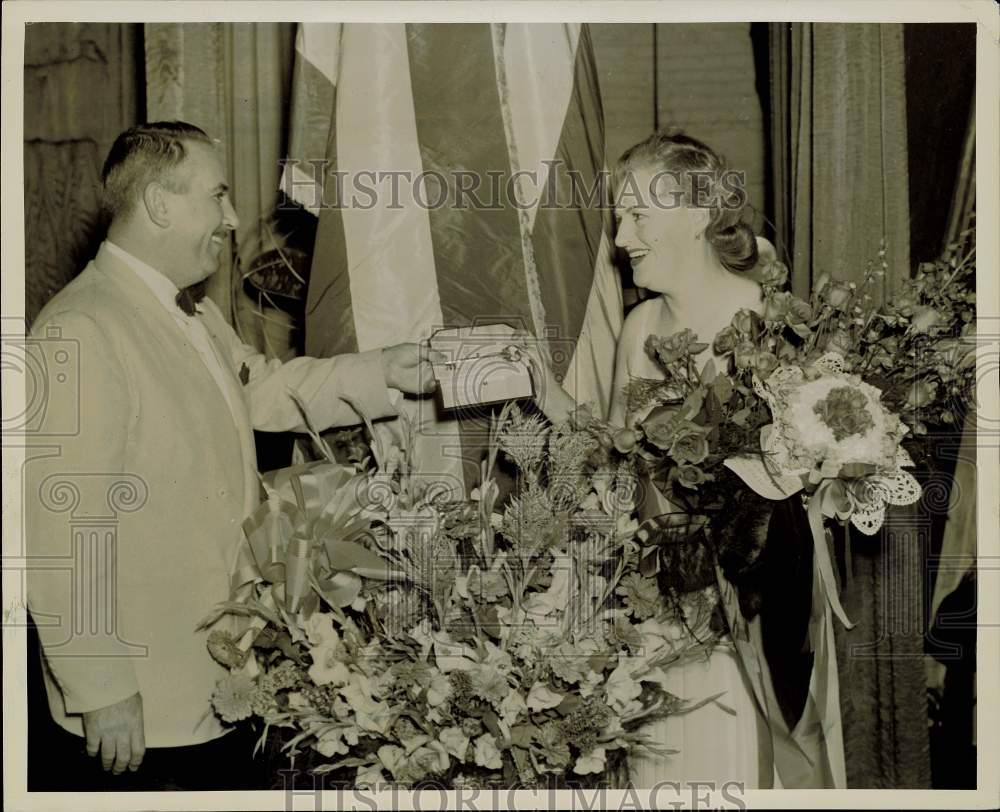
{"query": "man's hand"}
[(407, 367), (117, 731)]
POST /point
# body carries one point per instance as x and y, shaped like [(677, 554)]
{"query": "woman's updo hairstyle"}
[(698, 168)]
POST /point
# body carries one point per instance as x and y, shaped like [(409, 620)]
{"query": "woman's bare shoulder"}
[(645, 316)]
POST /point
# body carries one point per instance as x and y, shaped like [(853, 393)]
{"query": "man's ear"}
[(154, 199)]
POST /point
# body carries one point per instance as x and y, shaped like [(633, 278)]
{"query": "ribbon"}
[(832, 500), (313, 511)]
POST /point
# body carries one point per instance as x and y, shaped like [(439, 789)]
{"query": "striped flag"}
[(455, 171)]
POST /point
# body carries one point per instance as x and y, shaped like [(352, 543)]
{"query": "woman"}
[(680, 221)]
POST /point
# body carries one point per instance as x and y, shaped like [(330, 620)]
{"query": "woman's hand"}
[(550, 397)]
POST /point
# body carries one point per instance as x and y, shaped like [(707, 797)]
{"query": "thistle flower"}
[(523, 439), (528, 523)]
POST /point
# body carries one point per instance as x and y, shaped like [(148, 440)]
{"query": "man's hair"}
[(143, 154)]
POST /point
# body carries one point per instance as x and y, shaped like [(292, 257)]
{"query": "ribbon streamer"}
[(312, 510)]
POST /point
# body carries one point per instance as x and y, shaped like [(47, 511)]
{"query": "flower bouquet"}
[(817, 396), (507, 640)]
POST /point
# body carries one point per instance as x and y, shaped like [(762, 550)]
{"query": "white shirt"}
[(165, 292)]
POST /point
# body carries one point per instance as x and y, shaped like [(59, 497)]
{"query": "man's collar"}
[(163, 288)]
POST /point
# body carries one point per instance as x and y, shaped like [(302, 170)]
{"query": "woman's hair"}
[(705, 180), (142, 154)]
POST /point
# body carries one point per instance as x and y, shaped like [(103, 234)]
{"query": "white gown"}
[(714, 745)]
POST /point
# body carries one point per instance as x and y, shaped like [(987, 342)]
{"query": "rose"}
[(690, 476), (743, 321), (745, 354), (725, 341), (925, 318), (799, 312), (837, 294), (689, 445), (776, 306), (774, 274), (661, 427), (786, 352), (840, 341), (923, 393), (764, 363), (905, 302), (625, 440)]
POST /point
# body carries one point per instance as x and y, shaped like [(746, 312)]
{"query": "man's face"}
[(201, 215)]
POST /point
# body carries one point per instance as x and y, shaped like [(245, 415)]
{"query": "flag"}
[(457, 173)]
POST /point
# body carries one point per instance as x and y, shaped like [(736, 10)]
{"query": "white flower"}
[(592, 762), (455, 741), (369, 777), (541, 697), (331, 743), (512, 707), (487, 753), (370, 715), (393, 758), (589, 683), (439, 690), (327, 669), (622, 686), (320, 631)]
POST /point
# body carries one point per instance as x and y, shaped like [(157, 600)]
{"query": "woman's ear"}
[(154, 199), (701, 218)]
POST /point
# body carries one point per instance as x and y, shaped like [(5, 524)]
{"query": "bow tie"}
[(188, 298)]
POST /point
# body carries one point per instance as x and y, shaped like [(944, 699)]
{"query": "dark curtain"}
[(840, 159), (839, 149)]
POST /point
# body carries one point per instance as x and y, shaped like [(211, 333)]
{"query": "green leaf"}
[(649, 564), (522, 735), (708, 373), (722, 388), (353, 557)]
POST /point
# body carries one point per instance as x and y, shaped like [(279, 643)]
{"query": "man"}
[(166, 410)]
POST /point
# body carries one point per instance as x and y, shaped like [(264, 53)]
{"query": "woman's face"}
[(655, 227)]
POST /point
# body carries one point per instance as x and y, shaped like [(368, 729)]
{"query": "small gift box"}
[(485, 365)]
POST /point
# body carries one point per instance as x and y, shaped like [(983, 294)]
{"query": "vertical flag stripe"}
[(394, 284), (539, 64), (329, 310), (567, 235), (317, 52), (477, 249), (590, 374)]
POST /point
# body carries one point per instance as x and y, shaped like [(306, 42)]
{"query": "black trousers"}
[(59, 763), (58, 760)]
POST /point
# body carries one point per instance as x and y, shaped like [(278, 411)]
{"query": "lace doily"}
[(876, 492)]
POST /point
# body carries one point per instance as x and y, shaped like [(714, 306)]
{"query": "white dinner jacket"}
[(133, 518)]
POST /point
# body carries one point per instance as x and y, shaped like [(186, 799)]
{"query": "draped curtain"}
[(840, 179), (234, 81), (68, 129), (838, 134)]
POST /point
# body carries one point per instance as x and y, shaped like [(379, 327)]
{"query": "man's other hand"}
[(117, 732), (407, 367)]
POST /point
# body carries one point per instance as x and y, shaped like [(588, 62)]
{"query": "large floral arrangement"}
[(391, 635)]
